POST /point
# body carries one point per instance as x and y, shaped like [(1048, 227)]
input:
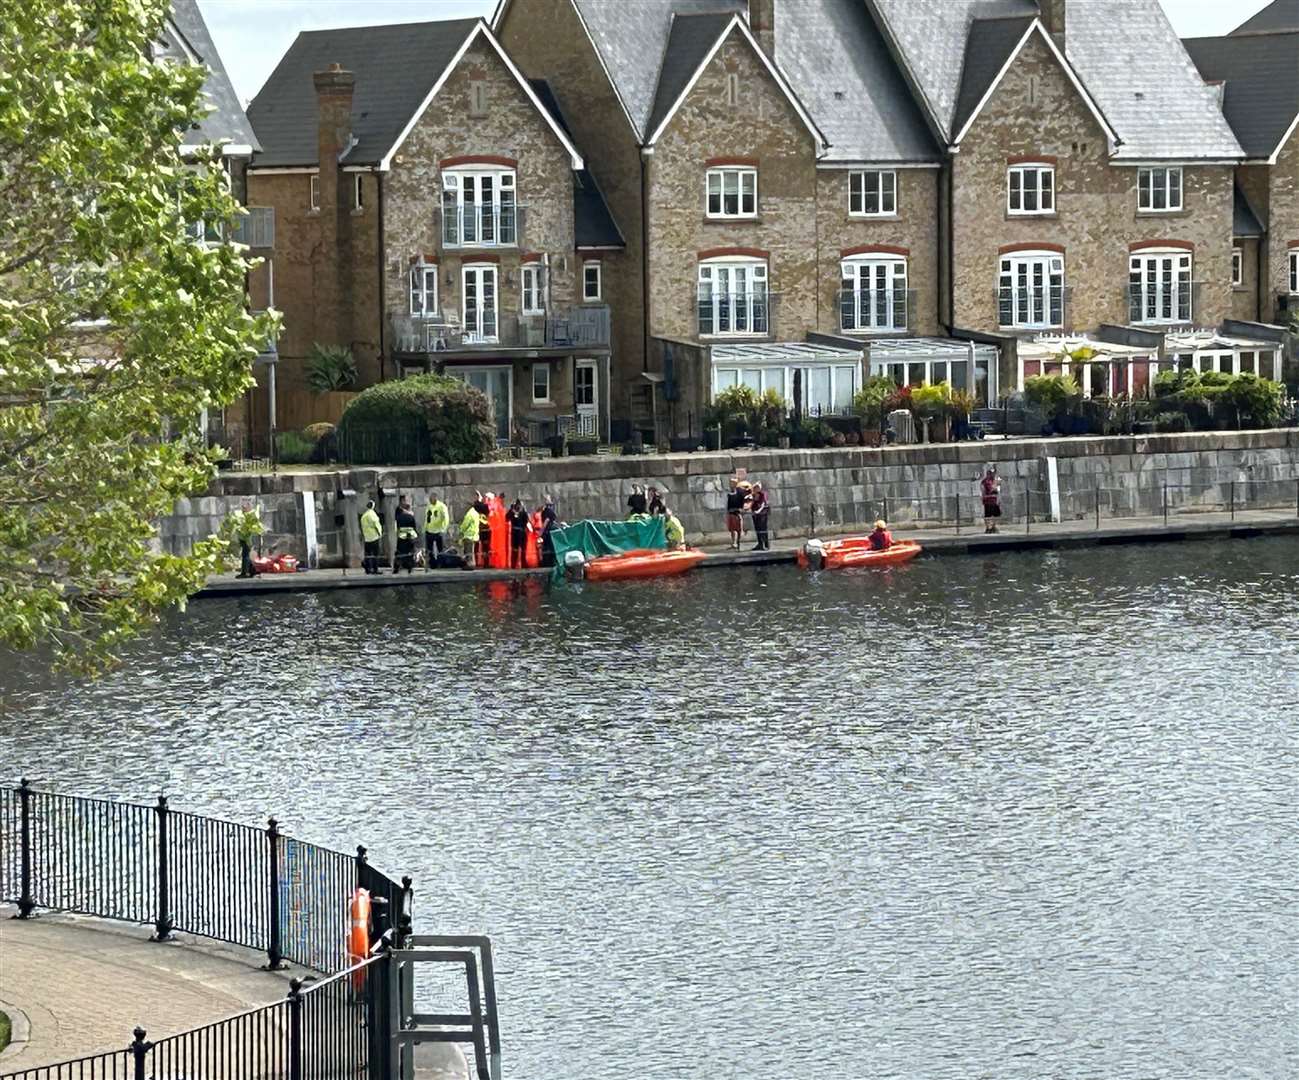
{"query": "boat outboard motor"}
[(815, 552), (574, 565)]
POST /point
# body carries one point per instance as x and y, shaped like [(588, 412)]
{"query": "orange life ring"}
[(358, 934)]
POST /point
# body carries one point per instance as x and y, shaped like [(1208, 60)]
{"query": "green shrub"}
[(771, 411), (330, 367), (930, 401), (293, 448), (868, 402), (737, 408), (1171, 422), (1050, 394), (1256, 402), (423, 420), (324, 442)]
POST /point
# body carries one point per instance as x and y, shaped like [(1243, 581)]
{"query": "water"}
[(1018, 817)]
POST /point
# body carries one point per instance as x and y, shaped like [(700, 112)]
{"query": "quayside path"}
[(946, 540)]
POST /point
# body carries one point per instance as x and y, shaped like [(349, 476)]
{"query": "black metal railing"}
[(1153, 301), (183, 872), (1033, 307), (587, 326)]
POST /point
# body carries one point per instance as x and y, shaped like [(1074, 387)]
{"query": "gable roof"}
[(989, 47), (186, 38), (1278, 15), (1260, 92), (395, 67), (839, 65), (1123, 54), (687, 39)]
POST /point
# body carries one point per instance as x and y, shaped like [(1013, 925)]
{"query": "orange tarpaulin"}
[(499, 556), (532, 556)]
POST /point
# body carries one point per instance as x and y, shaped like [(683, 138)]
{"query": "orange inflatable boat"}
[(857, 551), (642, 564)]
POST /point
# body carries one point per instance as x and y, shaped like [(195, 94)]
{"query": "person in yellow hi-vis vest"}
[(469, 535), (437, 519), (371, 534)]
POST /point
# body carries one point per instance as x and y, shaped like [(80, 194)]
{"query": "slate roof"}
[(839, 66), (186, 38), (632, 36), (1124, 52), (690, 39), (395, 66), (1244, 222), (593, 224), (987, 48), (1260, 77), (1278, 15)]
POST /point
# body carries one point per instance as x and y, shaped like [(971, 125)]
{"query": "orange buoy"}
[(358, 934)]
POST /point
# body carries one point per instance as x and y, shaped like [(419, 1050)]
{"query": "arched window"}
[(733, 297), (873, 296), (1030, 290)]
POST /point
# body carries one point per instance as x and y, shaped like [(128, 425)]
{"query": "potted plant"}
[(960, 404), (868, 405), (930, 405)]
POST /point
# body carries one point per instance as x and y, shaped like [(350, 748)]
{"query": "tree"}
[(117, 326)]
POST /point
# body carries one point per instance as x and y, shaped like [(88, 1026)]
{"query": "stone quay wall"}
[(829, 490)]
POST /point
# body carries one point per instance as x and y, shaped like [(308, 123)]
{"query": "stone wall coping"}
[(508, 476)]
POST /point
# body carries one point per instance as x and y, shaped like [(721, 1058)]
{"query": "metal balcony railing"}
[(872, 311), (475, 225), (256, 228), (1044, 307), (576, 327), (736, 314), (1163, 302)]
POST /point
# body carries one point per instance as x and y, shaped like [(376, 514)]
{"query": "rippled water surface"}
[(1022, 816)]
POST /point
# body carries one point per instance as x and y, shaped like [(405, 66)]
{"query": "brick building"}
[(434, 212)]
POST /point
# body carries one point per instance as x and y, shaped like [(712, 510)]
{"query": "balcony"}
[(1163, 303), (875, 311), (256, 228), (564, 328), (1043, 307), (477, 226), (737, 314)]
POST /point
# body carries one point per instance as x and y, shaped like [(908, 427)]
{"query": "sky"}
[(252, 35)]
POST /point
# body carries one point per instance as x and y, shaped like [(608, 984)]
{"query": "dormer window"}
[(1030, 189), (733, 192)]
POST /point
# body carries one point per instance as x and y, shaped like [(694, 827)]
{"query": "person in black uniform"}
[(549, 515), (636, 502), (404, 557), (484, 529), (517, 519), (656, 504)]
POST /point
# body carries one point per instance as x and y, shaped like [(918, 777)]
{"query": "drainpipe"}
[(644, 258), (951, 245), (383, 258)]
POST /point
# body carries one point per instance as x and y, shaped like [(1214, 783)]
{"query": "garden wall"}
[(832, 489)]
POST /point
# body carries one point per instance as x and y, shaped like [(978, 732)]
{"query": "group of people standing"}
[(489, 534), (649, 502), (748, 498)]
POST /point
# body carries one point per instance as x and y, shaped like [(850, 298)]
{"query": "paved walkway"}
[(946, 540)]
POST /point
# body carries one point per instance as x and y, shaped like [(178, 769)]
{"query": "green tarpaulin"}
[(594, 538)]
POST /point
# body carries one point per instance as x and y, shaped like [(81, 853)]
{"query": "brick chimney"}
[(762, 21), (334, 89), (1053, 16)]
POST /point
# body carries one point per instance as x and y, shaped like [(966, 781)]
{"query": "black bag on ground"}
[(450, 560)]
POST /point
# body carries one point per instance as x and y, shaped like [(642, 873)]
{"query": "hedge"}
[(422, 420)]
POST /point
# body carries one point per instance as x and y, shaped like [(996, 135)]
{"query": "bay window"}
[(733, 298), (874, 294), (479, 208), (1159, 189), (1030, 291), (732, 193), (872, 193), (1030, 189), (423, 290), (1159, 287)]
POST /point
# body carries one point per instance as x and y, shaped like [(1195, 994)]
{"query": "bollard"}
[(360, 866), (163, 923), (139, 1048), (274, 951), (26, 903)]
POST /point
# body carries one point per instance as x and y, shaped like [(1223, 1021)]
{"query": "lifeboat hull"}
[(857, 551), (642, 564)]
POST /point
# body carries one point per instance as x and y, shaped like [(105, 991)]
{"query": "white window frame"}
[(358, 201), (871, 309), (715, 184), (1018, 184), (844, 381), (541, 366), (494, 221), (530, 289), (1237, 267), (424, 290), (1038, 272), (1156, 185), (881, 185), (481, 327), (587, 267), (750, 317), (314, 196), (1158, 294), (1293, 261)]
